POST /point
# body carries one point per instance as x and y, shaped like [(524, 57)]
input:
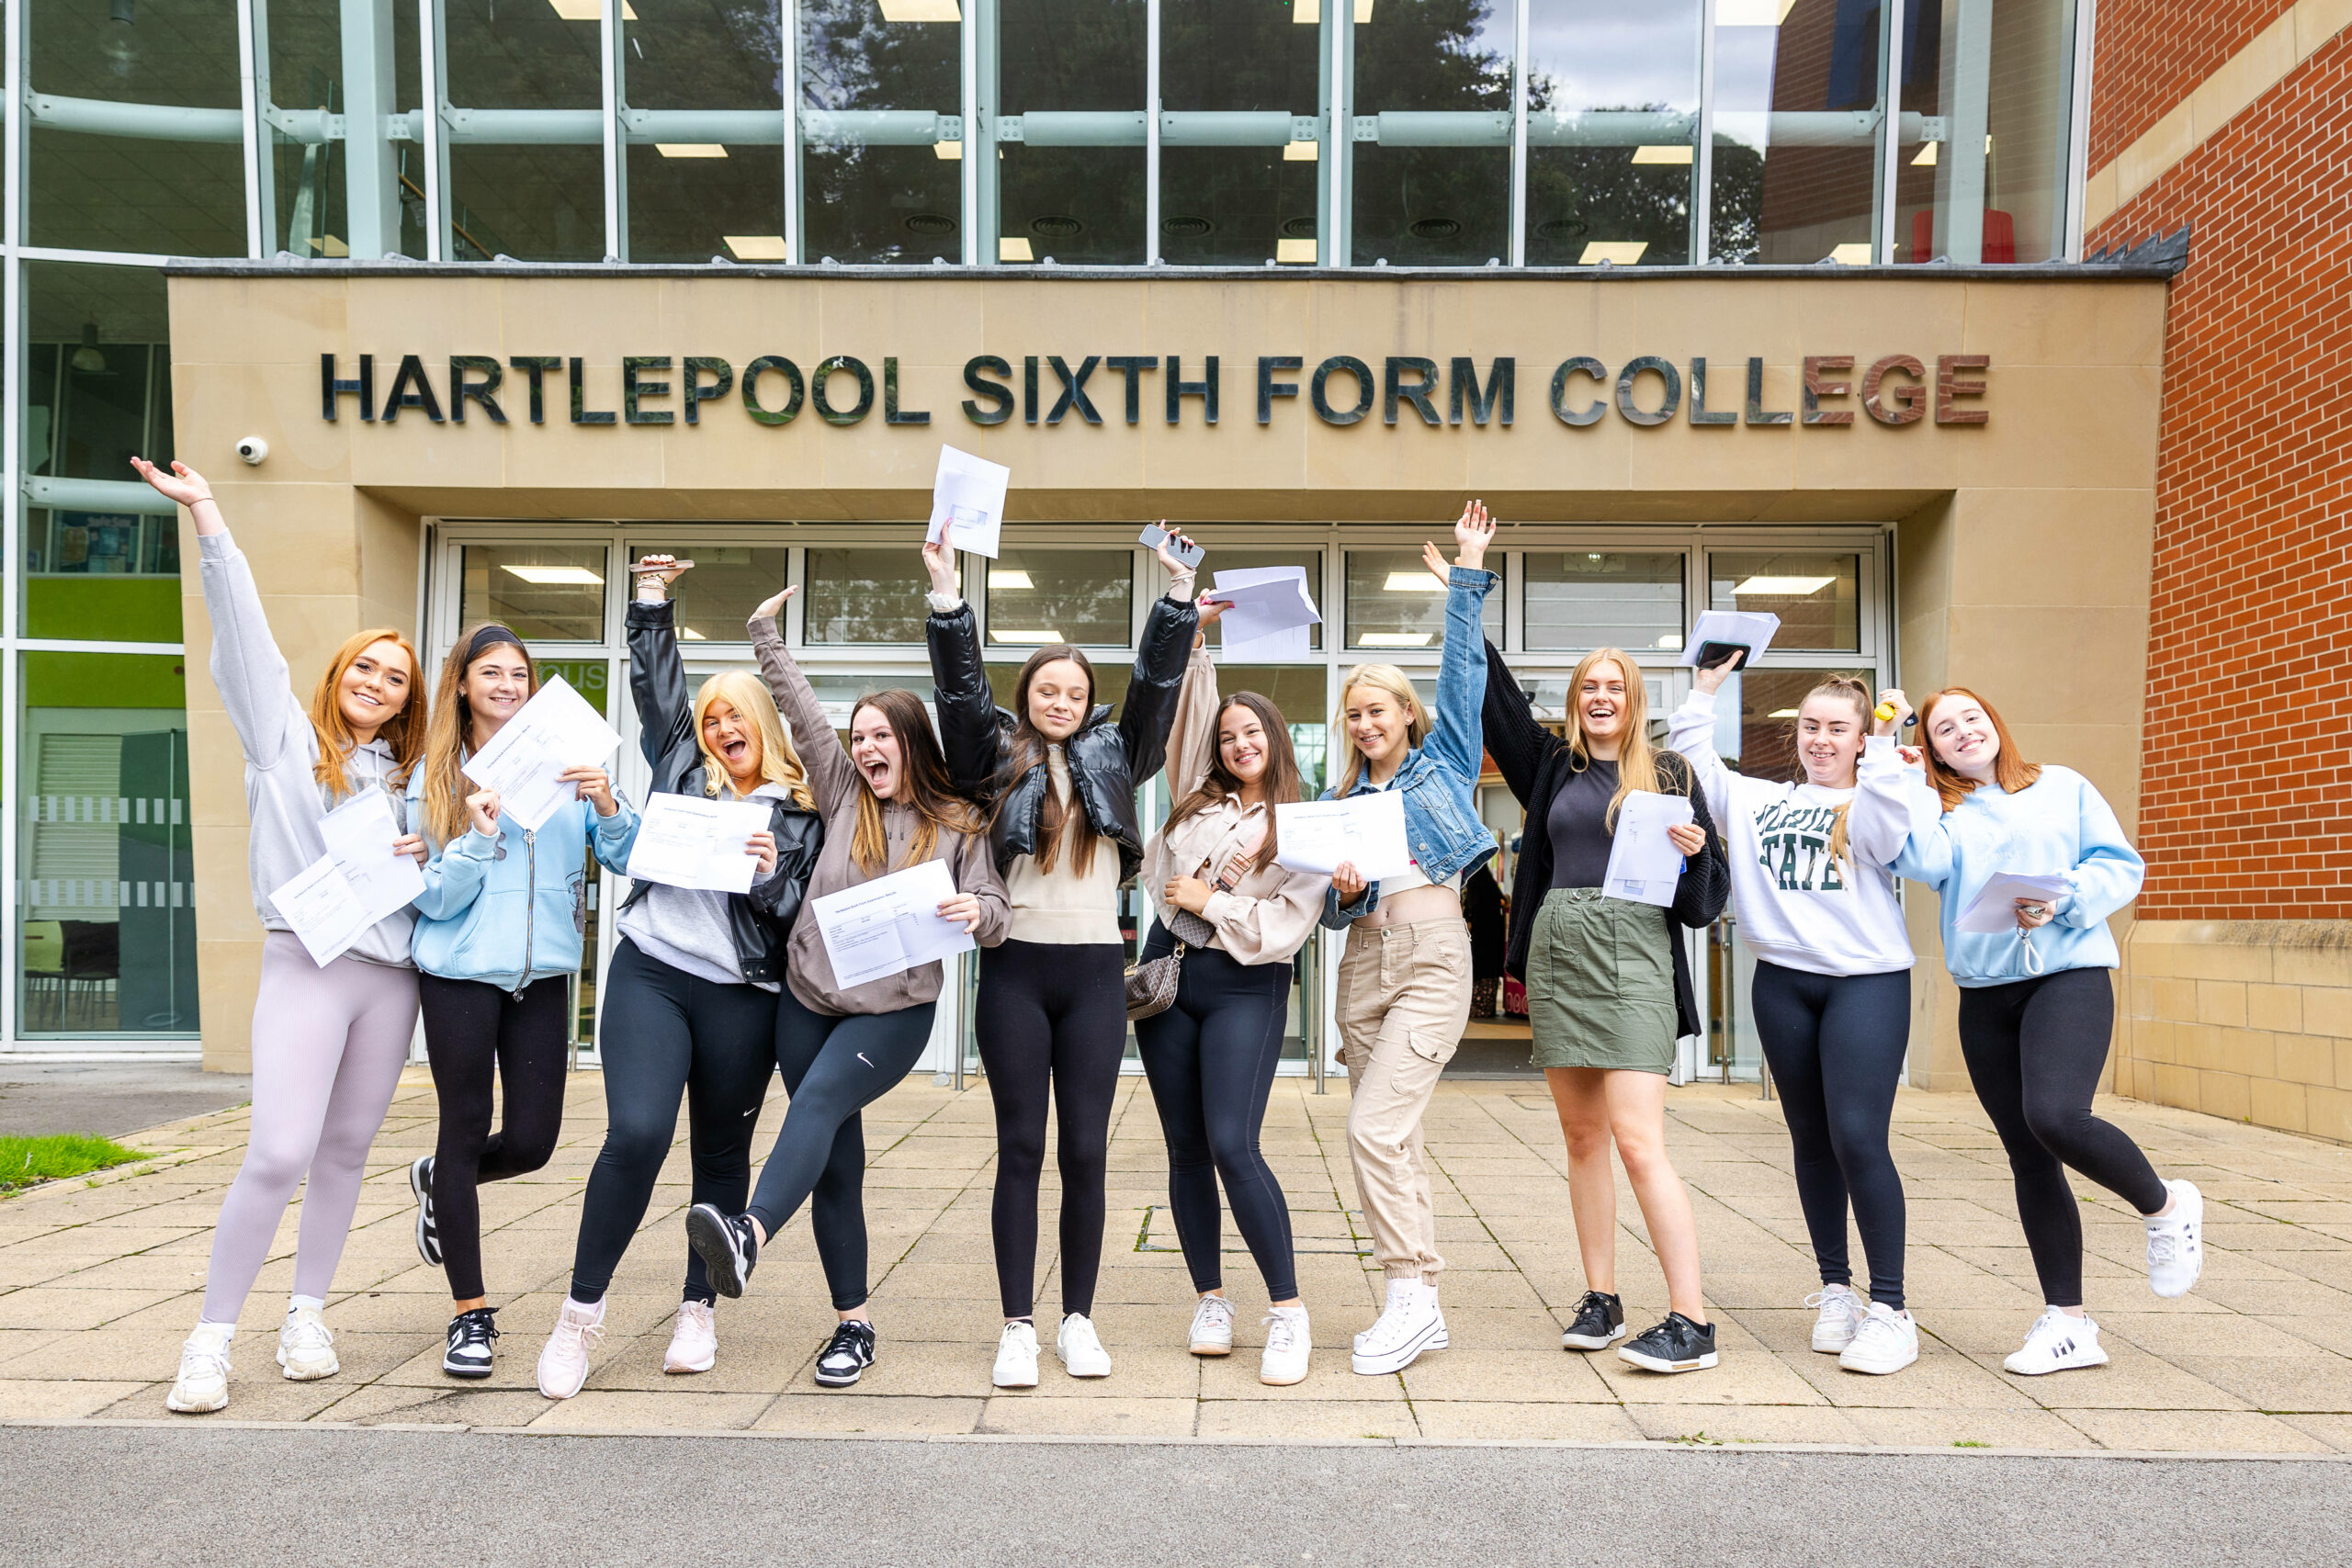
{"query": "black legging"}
[(1211, 1061), (1835, 1044), (475, 1031), (2034, 1050), (667, 1033), (1051, 1020), (833, 1067)]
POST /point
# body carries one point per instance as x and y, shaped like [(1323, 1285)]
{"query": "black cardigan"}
[(1535, 763)]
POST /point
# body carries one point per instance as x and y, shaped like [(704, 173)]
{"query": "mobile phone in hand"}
[(1154, 536)]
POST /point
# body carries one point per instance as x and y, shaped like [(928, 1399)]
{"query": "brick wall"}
[(2152, 53)]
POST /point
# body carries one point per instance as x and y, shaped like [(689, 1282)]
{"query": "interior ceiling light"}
[(1671, 639), (1782, 587), (1364, 12), (1855, 252), (1307, 13), (1394, 639), (1681, 153), (1036, 637), (758, 247), (1413, 582), (588, 10), (690, 149), (555, 576), (1752, 13), (950, 151), (1011, 579), (1014, 248), (1616, 252), (687, 634), (1926, 157), (1782, 713), (1302, 151), (1295, 252), (120, 10), (922, 11), (87, 357)]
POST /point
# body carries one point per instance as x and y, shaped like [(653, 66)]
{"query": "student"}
[(1060, 780), (2037, 1008), (1405, 980), (1609, 981), (328, 1042), (887, 805), (1832, 993), (690, 996), (498, 940), (1211, 1056)]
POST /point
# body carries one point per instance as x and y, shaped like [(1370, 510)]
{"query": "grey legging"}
[(327, 1052)]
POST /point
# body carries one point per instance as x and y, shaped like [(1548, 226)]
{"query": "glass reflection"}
[(1981, 170), (550, 592), (1073, 70), (709, 184), (728, 584), (1612, 123), (880, 181), (1226, 204), (1586, 599), (1078, 596), (1435, 77), (862, 596), (1797, 104), (543, 201), (364, 197), (1396, 606), (1817, 594)]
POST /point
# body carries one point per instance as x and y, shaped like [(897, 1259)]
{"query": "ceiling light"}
[(588, 10), (758, 247), (1926, 159), (1675, 154), (1782, 713), (1671, 639), (1295, 252), (1394, 639), (687, 634), (87, 357), (1617, 253), (1413, 582), (1781, 587), (1014, 248), (555, 576), (921, 11), (1026, 639), (1364, 12), (1302, 151), (1308, 12), (947, 151), (1752, 13), (1857, 253), (690, 149), (1011, 578)]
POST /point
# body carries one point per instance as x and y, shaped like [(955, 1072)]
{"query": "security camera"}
[(253, 449)]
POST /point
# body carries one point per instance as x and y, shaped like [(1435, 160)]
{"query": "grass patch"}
[(25, 1161), (1969, 1443)]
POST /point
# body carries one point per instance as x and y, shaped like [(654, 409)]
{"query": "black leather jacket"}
[(761, 919), (1105, 759)]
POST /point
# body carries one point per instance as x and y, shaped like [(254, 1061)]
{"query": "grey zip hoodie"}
[(282, 795)]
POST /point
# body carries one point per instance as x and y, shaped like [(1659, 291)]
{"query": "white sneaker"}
[(203, 1381), (1212, 1328), (2176, 1242), (2057, 1342), (1887, 1341), (1411, 1324), (563, 1363), (1016, 1357), (1288, 1346), (694, 1342), (1398, 1289), (306, 1347), (1841, 1317), (1081, 1348)]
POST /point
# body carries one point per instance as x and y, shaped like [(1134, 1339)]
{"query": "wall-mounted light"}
[(86, 357)]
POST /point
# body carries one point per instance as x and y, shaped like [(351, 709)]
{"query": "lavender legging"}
[(328, 1045)]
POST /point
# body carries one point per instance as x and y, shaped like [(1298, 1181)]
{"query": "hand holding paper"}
[(686, 840), (1319, 836), (888, 925), (1271, 612), (525, 760), (970, 493), (1994, 908), (1645, 862), (1753, 630)]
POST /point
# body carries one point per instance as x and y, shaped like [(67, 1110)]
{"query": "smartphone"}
[(1713, 653), (1155, 535), (675, 565)]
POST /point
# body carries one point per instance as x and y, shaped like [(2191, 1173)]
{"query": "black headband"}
[(490, 636)]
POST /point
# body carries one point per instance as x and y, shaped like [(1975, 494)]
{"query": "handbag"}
[(1151, 985)]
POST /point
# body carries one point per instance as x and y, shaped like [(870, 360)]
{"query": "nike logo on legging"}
[(861, 1057)]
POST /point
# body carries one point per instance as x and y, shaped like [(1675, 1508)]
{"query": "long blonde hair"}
[(1380, 678), (403, 732), (449, 733), (779, 763), (1637, 758)]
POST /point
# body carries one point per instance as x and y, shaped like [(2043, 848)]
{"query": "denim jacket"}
[(1439, 779), (514, 908)]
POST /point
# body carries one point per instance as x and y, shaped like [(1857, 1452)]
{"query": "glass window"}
[(1612, 122), (99, 189), (1434, 77), (1815, 594), (1756, 716), (1222, 559), (728, 584), (839, 691), (1982, 176), (1584, 599), (358, 196), (1072, 187), (544, 201), (880, 181), (1394, 604), (1228, 68), (551, 592), (1080, 596), (106, 910), (713, 188), (1795, 161), (862, 596)]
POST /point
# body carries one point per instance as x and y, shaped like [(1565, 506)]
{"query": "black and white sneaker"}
[(428, 1230), (847, 1355), (1600, 1323), (469, 1336), (1678, 1344), (726, 1245)]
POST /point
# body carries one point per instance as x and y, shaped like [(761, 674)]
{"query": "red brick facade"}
[(2247, 790)]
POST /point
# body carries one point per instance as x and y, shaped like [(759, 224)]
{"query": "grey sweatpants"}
[(328, 1046)]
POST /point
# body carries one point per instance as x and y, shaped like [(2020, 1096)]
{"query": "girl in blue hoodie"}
[(499, 931), (2037, 1008)]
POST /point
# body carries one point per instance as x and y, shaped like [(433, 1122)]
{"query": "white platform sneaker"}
[(1289, 1347), (1842, 1311), (203, 1381), (1397, 1290), (1411, 1324), (1016, 1357), (1081, 1348), (306, 1347), (2057, 1342), (1887, 1341)]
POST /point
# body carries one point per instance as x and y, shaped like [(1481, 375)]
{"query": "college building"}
[(1990, 341)]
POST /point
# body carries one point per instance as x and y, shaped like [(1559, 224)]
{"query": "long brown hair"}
[(1637, 758), (1281, 780), (1848, 688), (449, 734), (922, 787), (1028, 750), (2010, 770), (1393, 682), (403, 732)]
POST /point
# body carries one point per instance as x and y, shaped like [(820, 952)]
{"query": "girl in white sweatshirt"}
[(1832, 998)]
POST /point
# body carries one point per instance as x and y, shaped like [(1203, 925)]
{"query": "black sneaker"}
[(1678, 1344), (847, 1355), (1600, 1323), (469, 1336), (428, 1231), (725, 1244)]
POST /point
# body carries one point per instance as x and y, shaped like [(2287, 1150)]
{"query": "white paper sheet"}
[(1994, 908), (325, 911), (555, 730), (1271, 612), (359, 835), (970, 493), (687, 840), (1643, 864), (1318, 836), (1752, 629), (890, 924)]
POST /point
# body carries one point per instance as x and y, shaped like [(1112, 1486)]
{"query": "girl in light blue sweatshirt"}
[(2037, 1008)]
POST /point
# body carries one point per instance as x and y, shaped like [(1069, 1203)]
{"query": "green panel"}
[(119, 609), (589, 677), (105, 680)]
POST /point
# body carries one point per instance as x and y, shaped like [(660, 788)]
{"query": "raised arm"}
[(831, 776), (1691, 730), (1455, 743), (1160, 659), (250, 673), (1192, 737), (1704, 886), (969, 733), (1514, 738)]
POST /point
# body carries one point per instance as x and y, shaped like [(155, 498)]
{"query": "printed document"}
[(555, 730), (892, 923), (1270, 614), (1643, 864), (323, 909), (687, 840), (1369, 829), (359, 835), (970, 493), (1752, 630), (1994, 908)]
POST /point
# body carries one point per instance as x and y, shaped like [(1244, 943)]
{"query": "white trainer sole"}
[(1405, 1355), (2094, 1357), (307, 1372), (1211, 1348), (1877, 1369), (1571, 1340), (1002, 1379), (173, 1402)]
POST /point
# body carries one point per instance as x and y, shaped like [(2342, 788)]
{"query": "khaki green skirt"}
[(1600, 983)]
